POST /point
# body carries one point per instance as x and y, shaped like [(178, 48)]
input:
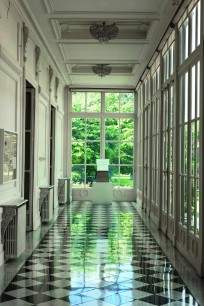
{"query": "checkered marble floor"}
[(98, 255)]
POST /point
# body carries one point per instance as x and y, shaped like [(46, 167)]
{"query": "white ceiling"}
[(64, 25)]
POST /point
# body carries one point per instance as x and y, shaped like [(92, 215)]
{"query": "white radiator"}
[(62, 190), (46, 203), (14, 230), (10, 238)]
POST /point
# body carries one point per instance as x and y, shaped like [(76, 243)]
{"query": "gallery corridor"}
[(99, 255)]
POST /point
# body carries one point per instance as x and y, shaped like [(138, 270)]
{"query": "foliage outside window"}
[(155, 151), (189, 148), (104, 129)]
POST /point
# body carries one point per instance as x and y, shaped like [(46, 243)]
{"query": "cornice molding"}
[(97, 16), (63, 52), (25, 41), (37, 60), (26, 16), (99, 61), (50, 75), (56, 87), (95, 42), (48, 6), (56, 28)]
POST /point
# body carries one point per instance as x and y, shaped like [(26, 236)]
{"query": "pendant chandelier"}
[(102, 70), (103, 32)]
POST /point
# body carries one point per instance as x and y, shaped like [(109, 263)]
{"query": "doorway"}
[(29, 153), (52, 145)]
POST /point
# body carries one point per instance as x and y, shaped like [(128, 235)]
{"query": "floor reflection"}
[(98, 255)]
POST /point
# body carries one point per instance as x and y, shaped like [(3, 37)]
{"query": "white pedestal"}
[(102, 193)]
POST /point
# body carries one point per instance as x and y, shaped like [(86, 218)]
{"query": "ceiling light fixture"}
[(102, 70), (103, 32)]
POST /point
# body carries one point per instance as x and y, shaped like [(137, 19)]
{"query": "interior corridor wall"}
[(24, 56)]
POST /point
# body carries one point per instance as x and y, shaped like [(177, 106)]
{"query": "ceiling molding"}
[(63, 53), (100, 61), (56, 28), (66, 32), (101, 87), (119, 73), (48, 6), (26, 15), (95, 42), (97, 16)]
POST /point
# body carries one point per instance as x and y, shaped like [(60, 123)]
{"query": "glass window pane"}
[(127, 102), (197, 205), (193, 92), (198, 24), (78, 152), (112, 102), (78, 129), (171, 191), (185, 200), (92, 152), (165, 111), (111, 129), (114, 175), (158, 78), (184, 98), (192, 164), (93, 102), (93, 128), (184, 40), (90, 175), (186, 25), (193, 29), (192, 201), (126, 177), (183, 148), (78, 176), (171, 151), (126, 153), (198, 148), (111, 152), (172, 51), (181, 197), (165, 66), (172, 106), (198, 89), (78, 101), (126, 129)]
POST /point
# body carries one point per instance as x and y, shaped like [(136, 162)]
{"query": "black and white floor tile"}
[(98, 255)]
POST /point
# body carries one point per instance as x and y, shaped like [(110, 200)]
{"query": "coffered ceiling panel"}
[(107, 5), (105, 52), (65, 27), (104, 82)]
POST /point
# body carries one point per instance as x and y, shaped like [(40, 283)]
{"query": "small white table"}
[(102, 193)]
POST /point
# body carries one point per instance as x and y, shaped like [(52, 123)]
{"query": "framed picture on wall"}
[(8, 156)]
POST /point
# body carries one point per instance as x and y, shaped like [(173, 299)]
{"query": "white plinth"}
[(102, 164), (102, 193)]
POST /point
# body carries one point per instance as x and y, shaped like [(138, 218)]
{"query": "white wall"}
[(13, 72)]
